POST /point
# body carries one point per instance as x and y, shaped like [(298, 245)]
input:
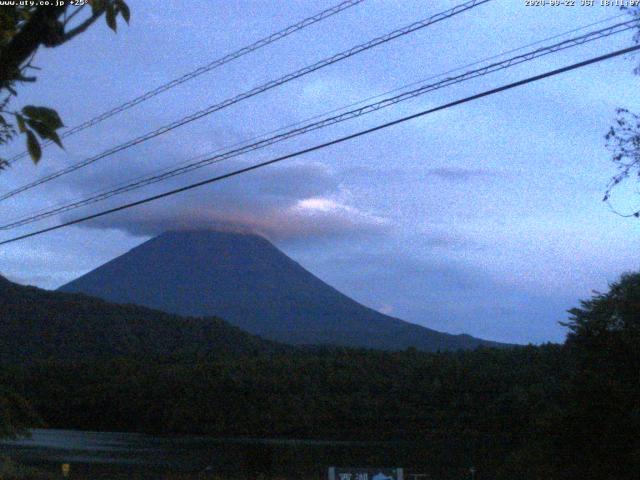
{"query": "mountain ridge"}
[(246, 280), (42, 325)]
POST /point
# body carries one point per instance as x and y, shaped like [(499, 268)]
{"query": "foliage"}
[(88, 364), (595, 433), (37, 324), (463, 408), (537, 412), (24, 27), (602, 419), (11, 470), (16, 414), (623, 139), (612, 316)]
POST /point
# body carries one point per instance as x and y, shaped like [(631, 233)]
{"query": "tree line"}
[(550, 411)]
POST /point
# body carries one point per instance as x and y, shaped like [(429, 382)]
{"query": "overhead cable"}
[(321, 146), (255, 91), (370, 108), (274, 37)]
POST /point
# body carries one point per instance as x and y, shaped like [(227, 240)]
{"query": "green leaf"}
[(97, 5), (45, 132), (53, 136), (111, 17), (30, 111), (45, 115), (21, 125), (39, 127), (33, 146), (124, 10)]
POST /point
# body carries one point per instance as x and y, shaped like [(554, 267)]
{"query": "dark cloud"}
[(294, 201), (451, 174), (455, 174)]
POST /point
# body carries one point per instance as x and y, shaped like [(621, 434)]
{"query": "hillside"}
[(37, 324), (247, 281)]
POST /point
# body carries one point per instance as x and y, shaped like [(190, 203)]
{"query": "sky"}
[(486, 218)]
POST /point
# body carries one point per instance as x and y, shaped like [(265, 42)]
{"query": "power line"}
[(16, 218), (344, 107), (240, 171), (169, 173), (255, 91), (274, 37)]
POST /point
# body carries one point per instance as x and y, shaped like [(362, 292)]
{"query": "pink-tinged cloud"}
[(298, 201)]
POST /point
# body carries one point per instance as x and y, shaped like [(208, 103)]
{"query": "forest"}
[(550, 411)]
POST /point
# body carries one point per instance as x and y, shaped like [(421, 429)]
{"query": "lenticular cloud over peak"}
[(296, 201)]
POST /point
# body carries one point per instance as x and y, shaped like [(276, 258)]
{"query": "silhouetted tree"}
[(600, 428), (15, 414), (623, 140), (23, 29)]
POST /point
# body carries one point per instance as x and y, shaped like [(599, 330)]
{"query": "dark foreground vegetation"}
[(553, 412)]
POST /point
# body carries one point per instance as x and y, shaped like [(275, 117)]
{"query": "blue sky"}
[(485, 218)]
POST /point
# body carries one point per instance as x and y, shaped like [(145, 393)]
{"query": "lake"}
[(107, 455)]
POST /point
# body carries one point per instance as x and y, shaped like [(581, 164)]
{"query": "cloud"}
[(449, 240), (402, 175), (287, 202), (455, 174)]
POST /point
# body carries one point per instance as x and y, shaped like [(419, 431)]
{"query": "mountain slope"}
[(250, 283), (38, 324)]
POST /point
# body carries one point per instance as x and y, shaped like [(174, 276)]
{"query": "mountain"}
[(247, 281), (37, 324)]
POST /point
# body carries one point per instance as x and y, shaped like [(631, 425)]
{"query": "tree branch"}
[(42, 25), (68, 19), (83, 26)]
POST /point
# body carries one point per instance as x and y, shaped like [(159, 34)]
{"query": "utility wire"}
[(133, 185), (274, 37), (63, 208), (334, 110), (255, 91), (168, 173), (240, 171), (344, 107)]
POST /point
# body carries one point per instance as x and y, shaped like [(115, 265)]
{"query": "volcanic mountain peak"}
[(246, 280)]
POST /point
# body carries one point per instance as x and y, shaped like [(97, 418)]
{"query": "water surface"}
[(103, 452)]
